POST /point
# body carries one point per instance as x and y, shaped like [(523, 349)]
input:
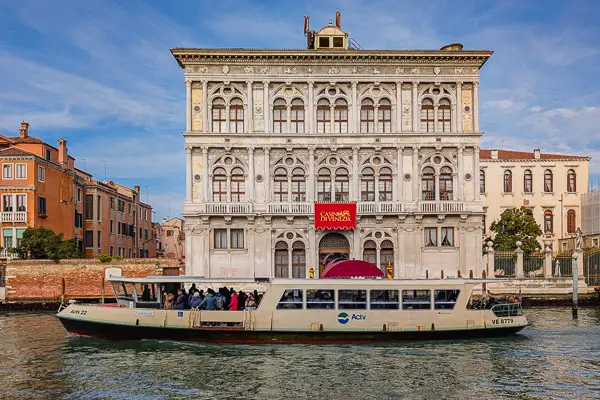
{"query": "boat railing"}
[(507, 310)]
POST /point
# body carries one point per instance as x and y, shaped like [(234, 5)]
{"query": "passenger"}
[(169, 298), (201, 293), (250, 303), (242, 300), (191, 296), (209, 302), (146, 293), (195, 301), (221, 300), (257, 297), (193, 288), (233, 303), (227, 296), (181, 302)]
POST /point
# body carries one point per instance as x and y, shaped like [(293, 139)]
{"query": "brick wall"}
[(37, 280)]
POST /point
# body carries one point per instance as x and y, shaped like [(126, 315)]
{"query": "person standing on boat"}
[(209, 302), (242, 300), (169, 299), (181, 301), (233, 303), (195, 300)]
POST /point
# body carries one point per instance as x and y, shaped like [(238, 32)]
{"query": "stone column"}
[(250, 109), (476, 106), (250, 196), (356, 251), (415, 104), (310, 187), (459, 125), (461, 172), (477, 177), (267, 176), (205, 175), (547, 260), (266, 106), (312, 252), (310, 108), (355, 196), (355, 108), (399, 175), (491, 268), (580, 264), (519, 271), (415, 173), (205, 115), (188, 105), (188, 249), (189, 174), (398, 108)]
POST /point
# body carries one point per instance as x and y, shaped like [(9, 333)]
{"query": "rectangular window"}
[(41, 174), (99, 237), (89, 239), (445, 299), (129, 208), (385, 299), (237, 238), (447, 235), (352, 299), (111, 225), (290, 300), (89, 207), (19, 232), (121, 205), (21, 202), (111, 250), (48, 154), (145, 234), (430, 237), (281, 263), (220, 238), (7, 171), (298, 263), (170, 232), (99, 207), (7, 203), (78, 195), (111, 202), (41, 205), (21, 171), (320, 299), (416, 299), (324, 190), (7, 238)]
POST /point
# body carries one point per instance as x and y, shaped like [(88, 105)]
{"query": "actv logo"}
[(344, 318)]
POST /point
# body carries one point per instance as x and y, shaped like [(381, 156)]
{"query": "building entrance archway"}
[(333, 246)]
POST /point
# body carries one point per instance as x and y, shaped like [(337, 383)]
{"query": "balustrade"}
[(19, 216)]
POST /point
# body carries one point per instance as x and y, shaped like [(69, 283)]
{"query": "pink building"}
[(170, 239)]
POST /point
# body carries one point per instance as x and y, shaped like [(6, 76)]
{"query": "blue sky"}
[(100, 74)]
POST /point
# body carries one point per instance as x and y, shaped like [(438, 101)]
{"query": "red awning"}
[(351, 269)]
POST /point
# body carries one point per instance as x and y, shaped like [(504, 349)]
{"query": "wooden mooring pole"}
[(575, 272), (102, 299), (62, 291)]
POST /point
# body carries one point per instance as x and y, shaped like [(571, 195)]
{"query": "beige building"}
[(591, 219), (551, 185), (170, 239), (388, 138)]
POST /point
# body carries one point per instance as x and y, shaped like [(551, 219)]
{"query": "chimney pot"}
[(24, 131), (537, 154), (494, 154), (63, 153)]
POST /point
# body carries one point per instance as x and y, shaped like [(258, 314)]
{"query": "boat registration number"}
[(79, 312), (501, 321)]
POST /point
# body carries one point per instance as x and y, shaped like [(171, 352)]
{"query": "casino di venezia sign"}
[(335, 216)]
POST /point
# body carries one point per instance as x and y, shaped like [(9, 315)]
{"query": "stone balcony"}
[(10, 216)]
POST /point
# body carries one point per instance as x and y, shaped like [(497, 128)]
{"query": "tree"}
[(514, 225), (39, 243), (68, 249)]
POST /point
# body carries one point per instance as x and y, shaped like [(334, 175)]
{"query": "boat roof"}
[(307, 282)]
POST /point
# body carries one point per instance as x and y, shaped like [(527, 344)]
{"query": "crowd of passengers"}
[(486, 303), (223, 299)]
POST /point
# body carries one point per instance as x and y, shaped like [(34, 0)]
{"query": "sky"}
[(100, 75)]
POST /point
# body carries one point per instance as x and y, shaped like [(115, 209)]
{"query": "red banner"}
[(335, 216)]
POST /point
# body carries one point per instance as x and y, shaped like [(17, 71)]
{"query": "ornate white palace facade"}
[(271, 134)]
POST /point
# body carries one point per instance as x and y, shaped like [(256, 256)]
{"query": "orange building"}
[(40, 186)]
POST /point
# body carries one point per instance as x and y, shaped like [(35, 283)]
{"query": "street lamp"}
[(575, 272)]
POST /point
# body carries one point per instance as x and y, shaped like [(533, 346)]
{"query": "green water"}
[(557, 357)]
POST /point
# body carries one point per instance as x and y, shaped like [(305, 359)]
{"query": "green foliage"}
[(68, 249), (104, 258), (39, 243), (514, 225), (117, 257)]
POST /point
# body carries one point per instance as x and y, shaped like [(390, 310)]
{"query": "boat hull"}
[(227, 335)]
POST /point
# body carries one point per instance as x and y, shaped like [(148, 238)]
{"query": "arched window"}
[(571, 181), (281, 260), (428, 184), (385, 184), (219, 185), (324, 185), (280, 116), (548, 221), (342, 185), (280, 189), (236, 116), (507, 181), (237, 185), (548, 181), (340, 116), (367, 116), (298, 185), (444, 119), (370, 252), (298, 260), (323, 116), (427, 117), (384, 116), (528, 181), (446, 187), (386, 256), (482, 181), (297, 116), (219, 119), (367, 185), (571, 221)]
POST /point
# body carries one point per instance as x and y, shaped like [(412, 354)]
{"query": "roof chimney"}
[(494, 154), (24, 131), (63, 153), (338, 19), (537, 154)]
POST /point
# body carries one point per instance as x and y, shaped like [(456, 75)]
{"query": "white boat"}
[(294, 310)]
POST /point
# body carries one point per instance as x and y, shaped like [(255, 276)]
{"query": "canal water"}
[(557, 357)]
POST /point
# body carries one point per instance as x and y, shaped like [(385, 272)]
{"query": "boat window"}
[(385, 299), (352, 299), (291, 300), (146, 292), (416, 299), (320, 299), (508, 310), (445, 299), (123, 290)]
